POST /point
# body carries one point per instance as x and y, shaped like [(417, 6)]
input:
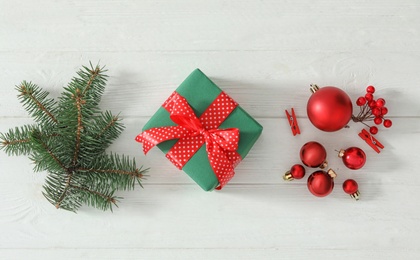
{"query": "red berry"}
[(387, 123), (369, 96), (376, 111), (380, 102), (373, 130), (361, 101), (378, 120), (384, 111), (370, 89), (372, 104)]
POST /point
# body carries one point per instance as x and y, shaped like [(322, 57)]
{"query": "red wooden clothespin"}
[(293, 122), (371, 141)]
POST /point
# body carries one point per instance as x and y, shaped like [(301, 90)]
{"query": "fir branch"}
[(95, 198), (69, 142), (54, 157), (111, 124), (105, 129), (44, 156), (17, 141), (55, 186), (108, 198), (36, 102), (63, 194), (117, 172), (91, 83), (79, 106), (94, 73)]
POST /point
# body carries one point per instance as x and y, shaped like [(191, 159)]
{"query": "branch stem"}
[(79, 125), (95, 73), (57, 205), (6, 142), (108, 198), (136, 173), (109, 125), (24, 91), (55, 157)]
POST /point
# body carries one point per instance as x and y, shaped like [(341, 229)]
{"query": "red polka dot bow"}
[(193, 132)]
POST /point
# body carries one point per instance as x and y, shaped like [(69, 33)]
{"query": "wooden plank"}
[(253, 217), (273, 154), (297, 252), (265, 83), (210, 25)]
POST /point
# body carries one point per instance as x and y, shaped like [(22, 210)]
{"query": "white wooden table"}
[(264, 54)]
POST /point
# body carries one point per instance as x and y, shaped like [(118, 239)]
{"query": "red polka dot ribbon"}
[(193, 132)]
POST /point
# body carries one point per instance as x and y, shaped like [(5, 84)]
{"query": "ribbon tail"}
[(155, 136), (221, 164)]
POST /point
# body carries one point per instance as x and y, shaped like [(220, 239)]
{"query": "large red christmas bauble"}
[(320, 183), (353, 158), (313, 154), (329, 108)]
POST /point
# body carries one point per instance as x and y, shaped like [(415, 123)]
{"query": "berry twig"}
[(372, 110)]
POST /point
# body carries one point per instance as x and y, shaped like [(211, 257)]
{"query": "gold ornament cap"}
[(332, 173), (355, 195), (314, 88), (288, 176), (324, 165), (341, 153)]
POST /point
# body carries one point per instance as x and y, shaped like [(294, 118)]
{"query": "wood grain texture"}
[(262, 53)]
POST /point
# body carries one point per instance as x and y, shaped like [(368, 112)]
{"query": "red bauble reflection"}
[(313, 154), (320, 183), (353, 158), (329, 109)]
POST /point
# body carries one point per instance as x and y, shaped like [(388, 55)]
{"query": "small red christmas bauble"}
[(313, 154), (320, 183), (350, 186), (329, 108), (297, 171), (353, 158)]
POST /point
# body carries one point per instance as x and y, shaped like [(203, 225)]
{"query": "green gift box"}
[(200, 92)]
